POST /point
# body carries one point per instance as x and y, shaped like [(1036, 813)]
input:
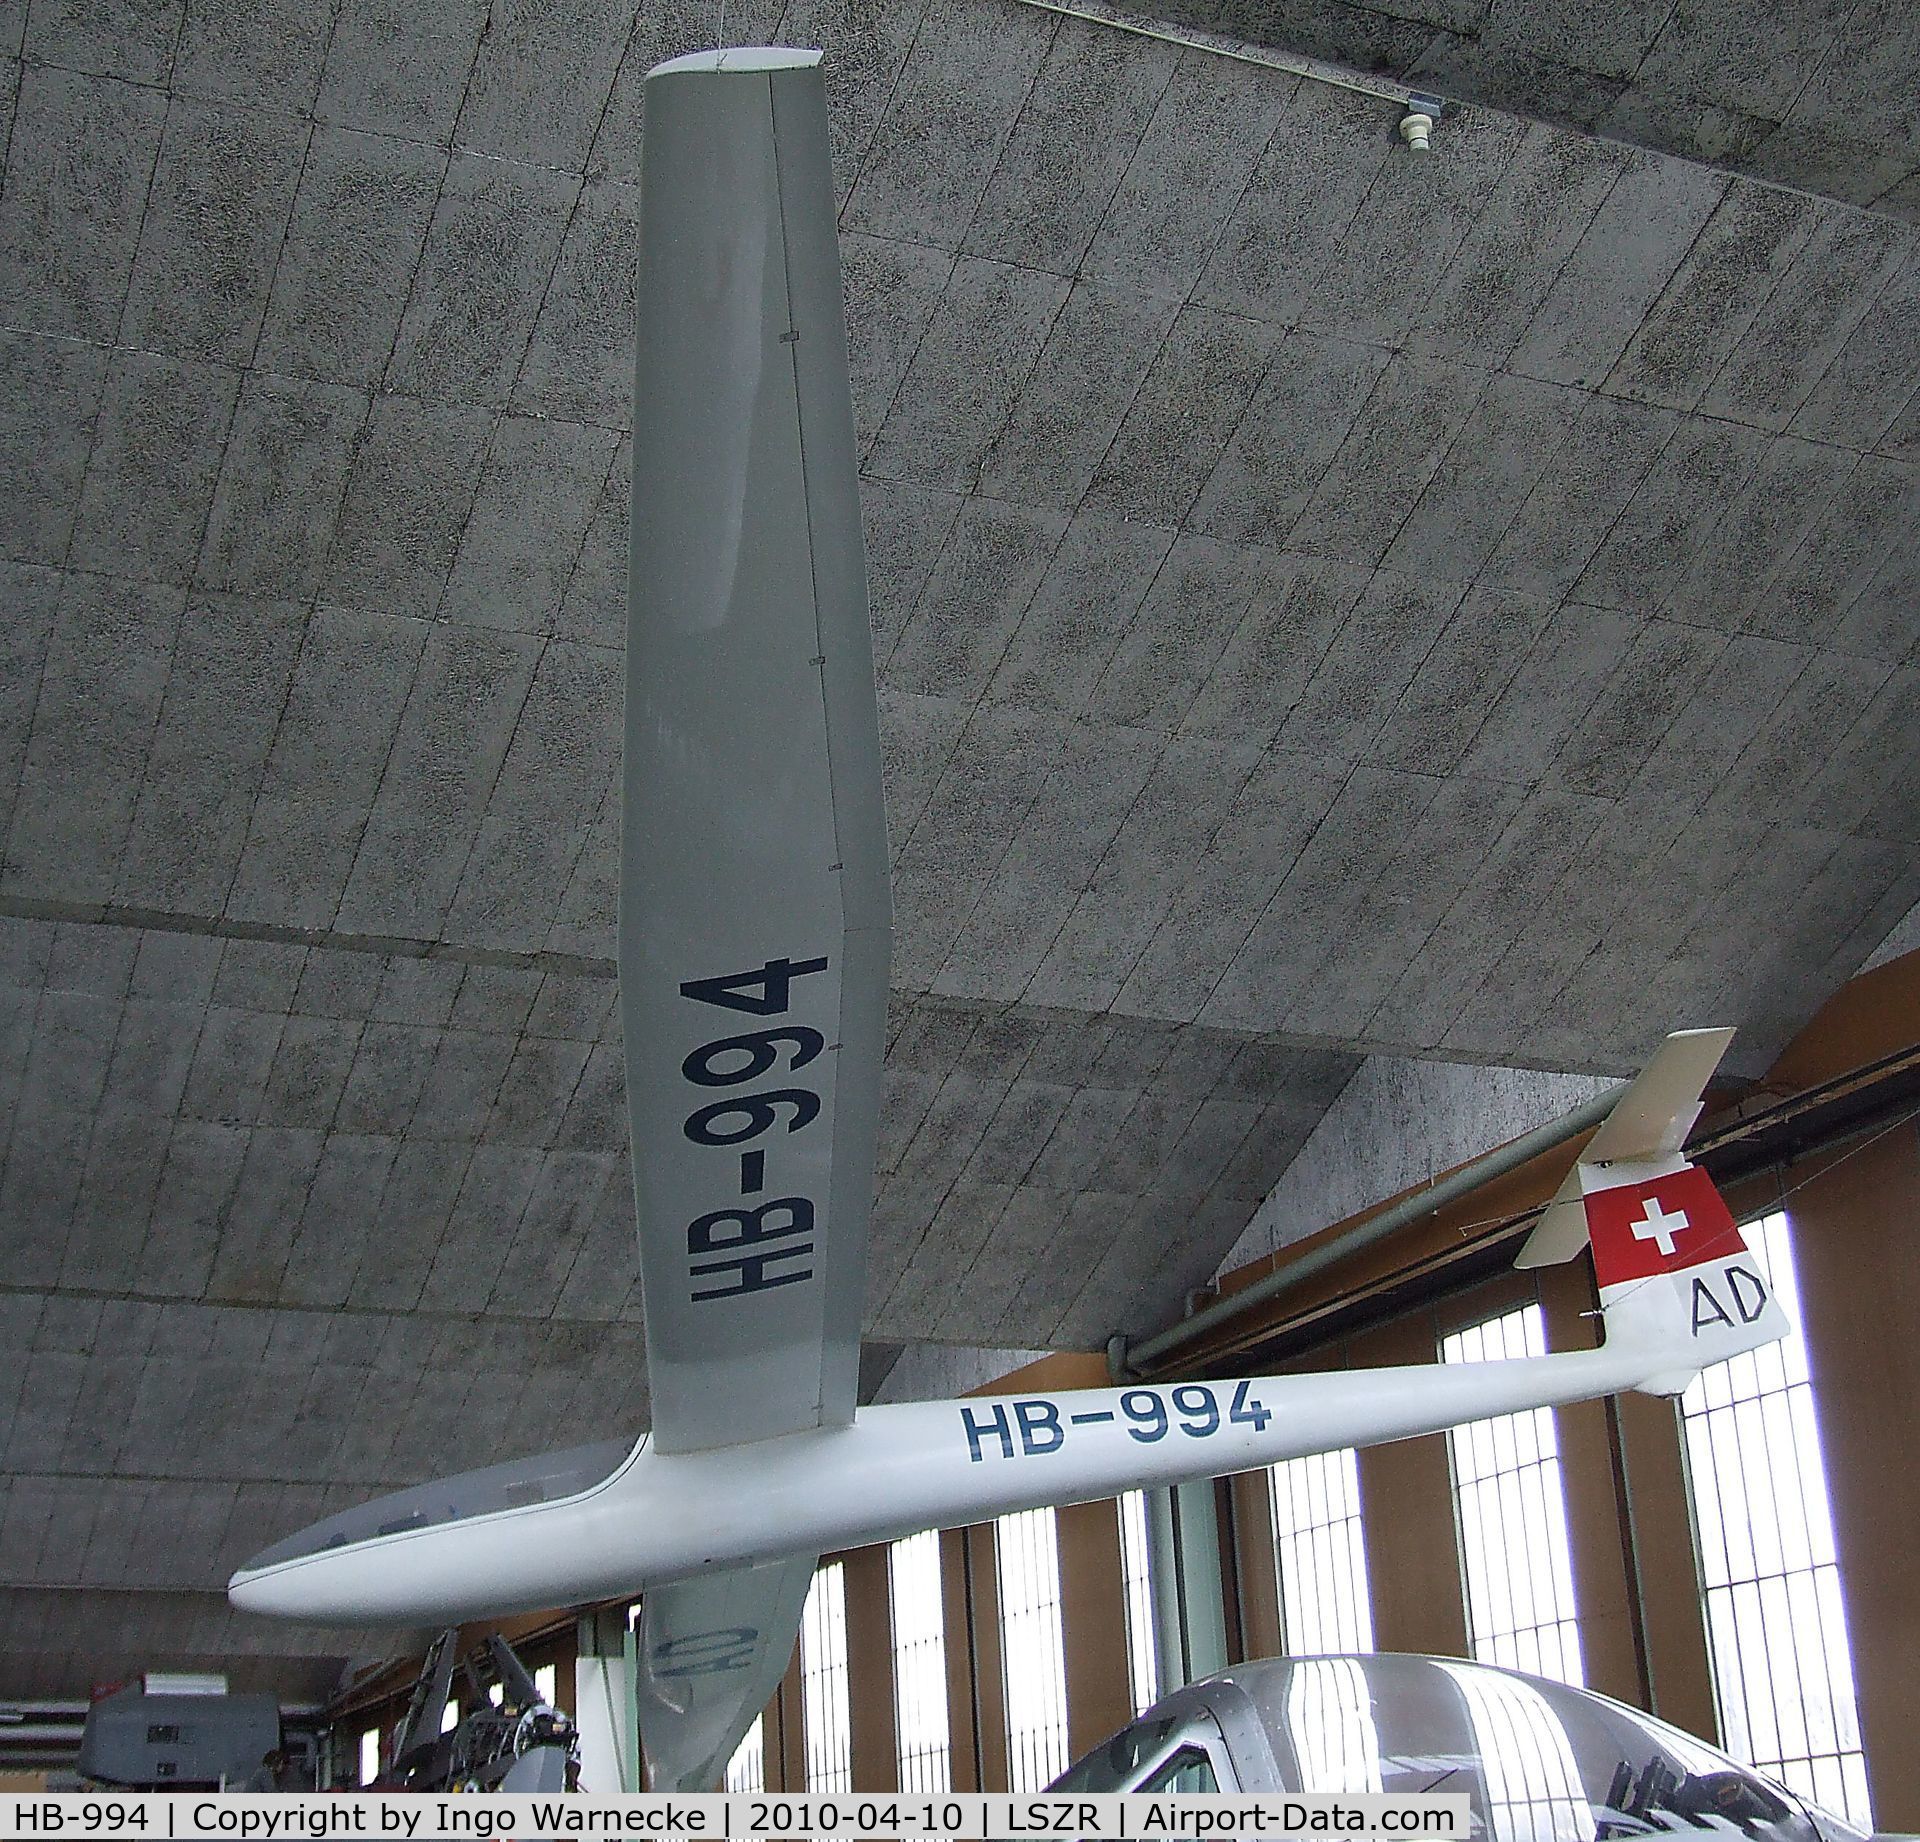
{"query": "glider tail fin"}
[(1674, 1272)]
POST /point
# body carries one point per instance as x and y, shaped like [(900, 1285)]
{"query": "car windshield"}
[(1117, 1763)]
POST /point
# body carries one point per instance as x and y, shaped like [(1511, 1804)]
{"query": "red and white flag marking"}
[(1659, 1225)]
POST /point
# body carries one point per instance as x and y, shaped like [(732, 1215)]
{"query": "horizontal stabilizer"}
[(1655, 1114), (1647, 1127)]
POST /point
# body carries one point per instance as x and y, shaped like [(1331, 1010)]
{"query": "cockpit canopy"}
[(519, 1482), (1540, 1762)]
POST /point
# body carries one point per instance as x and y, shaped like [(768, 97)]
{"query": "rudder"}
[(1675, 1273)]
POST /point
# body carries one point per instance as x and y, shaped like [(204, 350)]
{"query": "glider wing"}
[(712, 1651), (754, 912)]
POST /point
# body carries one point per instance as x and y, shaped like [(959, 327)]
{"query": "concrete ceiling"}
[(1331, 606), (1816, 94)]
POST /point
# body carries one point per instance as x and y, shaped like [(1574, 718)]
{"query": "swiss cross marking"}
[(1660, 1227)]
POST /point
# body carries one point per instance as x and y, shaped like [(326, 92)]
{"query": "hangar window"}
[(1320, 1554), (747, 1769), (919, 1663), (1032, 1650), (370, 1755), (1776, 1623), (546, 1683), (824, 1714), (1512, 1512), (1143, 1661)]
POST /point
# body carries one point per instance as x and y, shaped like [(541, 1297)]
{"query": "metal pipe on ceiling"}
[(1126, 1359), (1272, 57)]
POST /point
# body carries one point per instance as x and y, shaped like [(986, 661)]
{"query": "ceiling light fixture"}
[(1416, 126)]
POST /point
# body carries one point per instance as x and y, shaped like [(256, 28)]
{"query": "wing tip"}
[(737, 60), (1557, 1236)]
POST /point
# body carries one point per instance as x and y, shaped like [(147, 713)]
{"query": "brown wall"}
[(1598, 1533), (1673, 1632), (876, 1759), (1406, 1500), (1254, 1609), (1642, 1630), (1858, 1258), (785, 1740), (1093, 1617), (987, 1700), (963, 1705)]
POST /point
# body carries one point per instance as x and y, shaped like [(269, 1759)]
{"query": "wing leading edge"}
[(755, 918)]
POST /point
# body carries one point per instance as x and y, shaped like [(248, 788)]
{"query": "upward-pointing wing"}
[(754, 914)]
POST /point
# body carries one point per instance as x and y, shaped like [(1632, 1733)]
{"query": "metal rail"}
[(1125, 1359), (1192, 38)]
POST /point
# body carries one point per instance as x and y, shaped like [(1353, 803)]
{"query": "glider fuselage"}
[(662, 1516)]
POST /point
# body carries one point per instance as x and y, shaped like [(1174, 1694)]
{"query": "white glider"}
[(753, 966)]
